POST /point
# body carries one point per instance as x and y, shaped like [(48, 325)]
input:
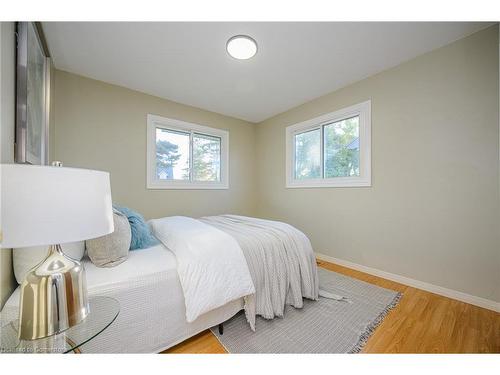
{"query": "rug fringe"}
[(363, 339)]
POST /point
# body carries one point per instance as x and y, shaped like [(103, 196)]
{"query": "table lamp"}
[(51, 205)]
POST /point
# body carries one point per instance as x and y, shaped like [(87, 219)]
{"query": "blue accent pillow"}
[(142, 237)]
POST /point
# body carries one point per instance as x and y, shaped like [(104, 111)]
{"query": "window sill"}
[(186, 186), (330, 183)]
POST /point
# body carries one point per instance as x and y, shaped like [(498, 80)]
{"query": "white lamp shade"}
[(42, 205)]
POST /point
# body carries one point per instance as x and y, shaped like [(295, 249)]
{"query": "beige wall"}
[(7, 113), (102, 126), (432, 213)]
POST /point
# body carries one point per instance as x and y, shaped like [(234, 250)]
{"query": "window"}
[(333, 150), (186, 156)]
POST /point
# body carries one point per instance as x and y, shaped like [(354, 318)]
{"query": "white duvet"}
[(211, 266)]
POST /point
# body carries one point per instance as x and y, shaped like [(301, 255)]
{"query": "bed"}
[(204, 272), (147, 278)]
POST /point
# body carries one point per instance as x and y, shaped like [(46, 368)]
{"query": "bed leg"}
[(221, 329)]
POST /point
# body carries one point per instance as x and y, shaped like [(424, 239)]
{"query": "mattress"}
[(152, 309)]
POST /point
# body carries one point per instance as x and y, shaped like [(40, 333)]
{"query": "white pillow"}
[(25, 258)]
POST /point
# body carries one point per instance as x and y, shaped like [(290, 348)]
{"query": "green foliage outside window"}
[(206, 158), (341, 148), (340, 151), (167, 154), (205, 154)]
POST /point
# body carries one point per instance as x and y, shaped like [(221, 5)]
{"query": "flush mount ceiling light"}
[(241, 47)]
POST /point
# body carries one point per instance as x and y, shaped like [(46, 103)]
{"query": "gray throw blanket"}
[(280, 259)]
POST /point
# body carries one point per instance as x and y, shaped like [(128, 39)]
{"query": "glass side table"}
[(103, 312)]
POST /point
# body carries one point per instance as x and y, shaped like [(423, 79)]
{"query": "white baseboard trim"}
[(450, 293)]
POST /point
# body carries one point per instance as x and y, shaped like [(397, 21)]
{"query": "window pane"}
[(341, 148), (206, 158), (308, 155), (172, 155)]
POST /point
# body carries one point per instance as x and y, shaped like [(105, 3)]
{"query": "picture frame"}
[(32, 95)]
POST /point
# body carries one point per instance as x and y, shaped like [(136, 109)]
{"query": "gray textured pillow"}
[(112, 249)]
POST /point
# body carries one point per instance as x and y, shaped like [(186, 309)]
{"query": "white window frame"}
[(154, 122), (363, 110)]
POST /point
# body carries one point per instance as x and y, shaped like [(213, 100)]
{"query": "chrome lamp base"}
[(53, 296)]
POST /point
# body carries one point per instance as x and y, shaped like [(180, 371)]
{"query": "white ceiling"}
[(187, 62)]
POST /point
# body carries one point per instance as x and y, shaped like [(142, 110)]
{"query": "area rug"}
[(323, 326)]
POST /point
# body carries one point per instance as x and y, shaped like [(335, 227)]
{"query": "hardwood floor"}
[(422, 323)]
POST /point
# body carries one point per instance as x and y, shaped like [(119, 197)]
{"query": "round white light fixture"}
[(241, 47)]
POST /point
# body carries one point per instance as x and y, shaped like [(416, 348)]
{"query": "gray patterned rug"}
[(324, 326)]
